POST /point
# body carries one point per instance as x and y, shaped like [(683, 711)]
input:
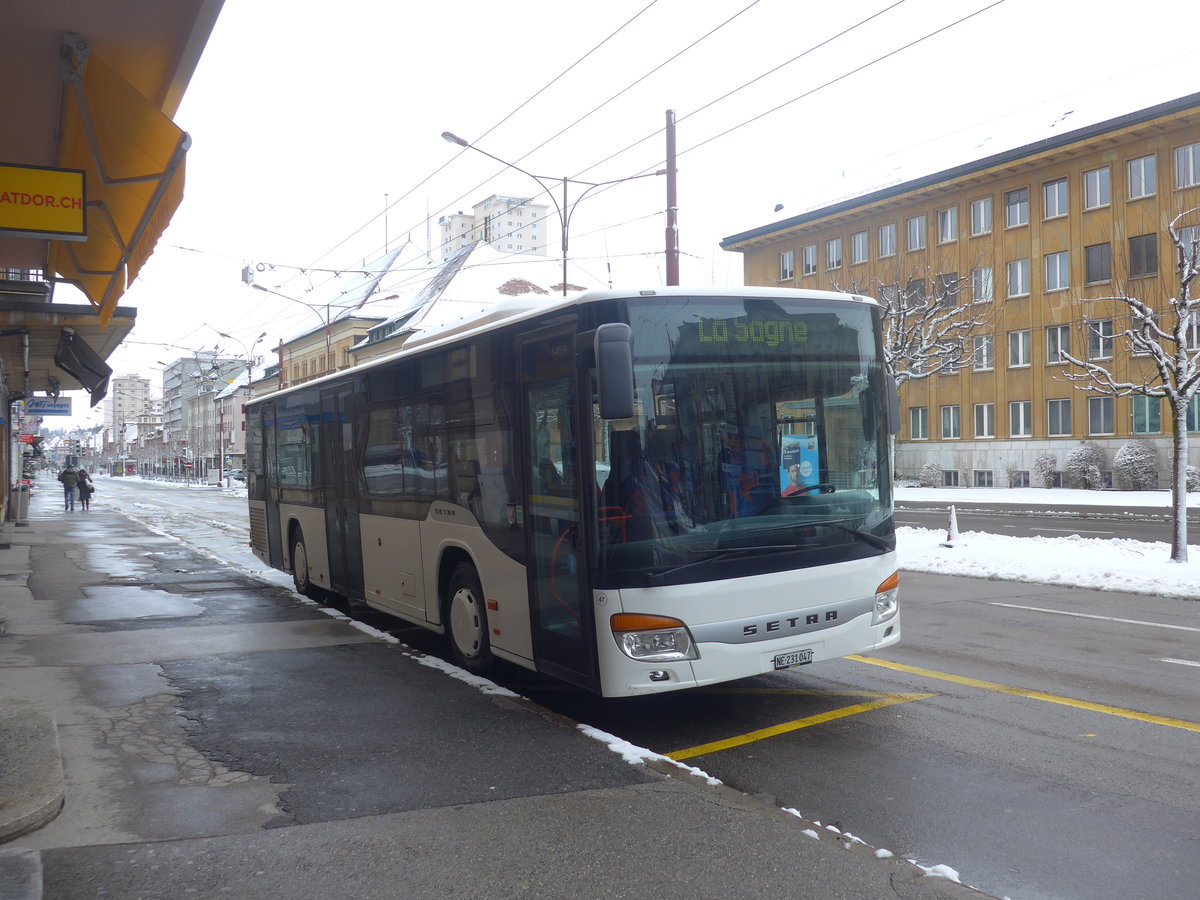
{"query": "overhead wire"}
[(521, 106), (595, 109), (634, 83), (927, 36)]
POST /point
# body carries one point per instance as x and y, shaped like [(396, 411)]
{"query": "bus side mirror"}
[(614, 370), (893, 398)]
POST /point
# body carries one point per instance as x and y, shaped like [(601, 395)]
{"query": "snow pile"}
[(1135, 567)]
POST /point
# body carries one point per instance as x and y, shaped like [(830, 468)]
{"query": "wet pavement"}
[(171, 726)]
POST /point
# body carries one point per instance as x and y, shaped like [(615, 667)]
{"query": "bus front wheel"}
[(300, 577), (466, 620)]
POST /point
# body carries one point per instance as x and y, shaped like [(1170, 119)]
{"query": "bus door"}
[(268, 464), (342, 533), (564, 642)]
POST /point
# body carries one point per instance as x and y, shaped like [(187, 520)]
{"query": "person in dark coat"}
[(86, 488), (70, 480)]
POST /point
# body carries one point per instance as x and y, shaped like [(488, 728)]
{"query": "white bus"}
[(635, 492)]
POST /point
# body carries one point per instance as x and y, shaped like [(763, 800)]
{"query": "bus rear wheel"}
[(466, 620), (300, 577)]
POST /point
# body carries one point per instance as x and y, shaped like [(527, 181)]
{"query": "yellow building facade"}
[(1029, 242)]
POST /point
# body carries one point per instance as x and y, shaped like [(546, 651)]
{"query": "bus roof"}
[(518, 309)]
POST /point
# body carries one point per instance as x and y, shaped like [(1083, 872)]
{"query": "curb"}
[(32, 787)]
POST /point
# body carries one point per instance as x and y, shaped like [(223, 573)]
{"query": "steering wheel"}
[(823, 488)]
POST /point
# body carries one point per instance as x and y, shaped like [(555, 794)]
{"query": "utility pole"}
[(672, 206)]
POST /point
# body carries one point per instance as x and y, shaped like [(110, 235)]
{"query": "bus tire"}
[(466, 620), (300, 577)]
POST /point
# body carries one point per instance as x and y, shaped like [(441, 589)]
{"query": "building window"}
[(985, 420), (787, 265), (1058, 271), (858, 247), (1187, 166), (1146, 415), (1097, 261), (1143, 255), (983, 478), (981, 284), (918, 423), (887, 240), (1018, 479), (1016, 208), (808, 260), (1058, 343), (1054, 199), (1189, 237), (1058, 418), (1191, 331), (947, 289), (1095, 188), (1018, 349), (1100, 415), (1018, 278), (1140, 175), (985, 352), (1100, 339), (916, 233), (981, 216), (950, 478), (1020, 418), (833, 253), (947, 223), (1193, 414), (951, 423)]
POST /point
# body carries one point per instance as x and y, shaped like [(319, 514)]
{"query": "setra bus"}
[(635, 492)]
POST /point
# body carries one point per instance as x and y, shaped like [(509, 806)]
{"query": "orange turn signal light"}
[(642, 622), (889, 584)]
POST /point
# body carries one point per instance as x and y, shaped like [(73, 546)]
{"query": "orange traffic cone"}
[(952, 539)]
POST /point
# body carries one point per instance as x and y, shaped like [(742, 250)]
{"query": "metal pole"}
[(565, 227), (672, 205)]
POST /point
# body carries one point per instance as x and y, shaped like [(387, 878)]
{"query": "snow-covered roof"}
[(470, 281)]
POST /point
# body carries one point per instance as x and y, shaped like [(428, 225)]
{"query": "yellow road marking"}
[(775, 730), (795, 691), (1035, 695)]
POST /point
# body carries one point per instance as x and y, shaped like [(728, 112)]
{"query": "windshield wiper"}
[(714, 555), (873, 539)]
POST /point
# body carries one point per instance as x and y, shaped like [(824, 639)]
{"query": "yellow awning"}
[(133, 156)]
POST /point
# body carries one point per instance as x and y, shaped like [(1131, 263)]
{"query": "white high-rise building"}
[(128, 398), (508, 224)]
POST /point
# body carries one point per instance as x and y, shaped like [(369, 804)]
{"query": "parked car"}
[(236, 474)]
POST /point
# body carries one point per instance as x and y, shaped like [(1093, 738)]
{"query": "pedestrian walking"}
[(70, 481), (86, 489)]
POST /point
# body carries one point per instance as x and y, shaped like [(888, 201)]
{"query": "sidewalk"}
[(128, 677)]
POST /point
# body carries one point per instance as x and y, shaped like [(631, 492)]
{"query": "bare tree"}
[(1170, 341), (930, 324)]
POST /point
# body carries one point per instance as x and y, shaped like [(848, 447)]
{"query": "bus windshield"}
[(759, 442)]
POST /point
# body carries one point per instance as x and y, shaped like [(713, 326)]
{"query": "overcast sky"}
[(309, 119)]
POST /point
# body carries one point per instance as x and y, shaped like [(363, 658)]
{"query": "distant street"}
[(1043, 741), (1138, 525)]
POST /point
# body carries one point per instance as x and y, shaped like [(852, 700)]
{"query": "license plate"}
[(793, 658)]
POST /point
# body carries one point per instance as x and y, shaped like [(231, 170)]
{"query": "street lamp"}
[(325, 320), (249, 351), (563, 209)]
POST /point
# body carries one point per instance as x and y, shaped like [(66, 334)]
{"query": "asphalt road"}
[(1042, 741), (1133, 524)]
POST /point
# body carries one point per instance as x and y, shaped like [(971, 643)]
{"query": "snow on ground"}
[(1110, 565), (1138, 567)]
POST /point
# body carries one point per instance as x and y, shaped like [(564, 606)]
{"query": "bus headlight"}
[(887, 600), (652, 638)]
